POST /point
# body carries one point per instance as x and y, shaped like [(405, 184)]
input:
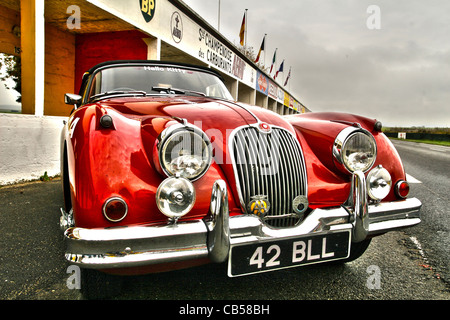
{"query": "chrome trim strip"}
[(320, 220), (393, 215), (134, 259), (135, 246), (384, 226)]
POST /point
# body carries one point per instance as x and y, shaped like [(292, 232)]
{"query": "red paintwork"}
[(119, 160), (318, 131)]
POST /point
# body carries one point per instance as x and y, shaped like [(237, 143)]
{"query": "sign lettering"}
[(147, 9)]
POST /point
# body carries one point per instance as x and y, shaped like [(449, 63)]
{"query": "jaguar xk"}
[(162, 170)]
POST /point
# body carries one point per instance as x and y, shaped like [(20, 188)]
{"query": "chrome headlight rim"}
[(175, 197), (341, 142), (379, 183), (166, 136), (108, 202)]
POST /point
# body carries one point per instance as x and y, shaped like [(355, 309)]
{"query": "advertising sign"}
[(273, 90), (262, 83)]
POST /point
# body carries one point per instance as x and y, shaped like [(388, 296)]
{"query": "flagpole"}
[(245, 36), (273, 62), (265, 45), (243, 32), (290, 78), (261, 48)]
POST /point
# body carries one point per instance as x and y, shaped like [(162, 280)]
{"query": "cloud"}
[(399, 74), (395, 86)]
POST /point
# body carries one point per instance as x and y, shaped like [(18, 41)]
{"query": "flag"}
[(279, 70), (260, 49), (273, 59), (287, 79), (242, 32)]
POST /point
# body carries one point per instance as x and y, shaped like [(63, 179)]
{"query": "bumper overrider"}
[(214, 236)]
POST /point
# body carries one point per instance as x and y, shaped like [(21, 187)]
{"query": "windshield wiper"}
[(107, 93), (169, 90)]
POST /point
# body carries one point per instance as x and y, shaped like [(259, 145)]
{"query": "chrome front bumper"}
[(213, 236)]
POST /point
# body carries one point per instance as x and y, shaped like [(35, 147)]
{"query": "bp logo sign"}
[(148, 9)]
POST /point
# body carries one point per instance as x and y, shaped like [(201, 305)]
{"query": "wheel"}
[(97, 285), (357, 249)]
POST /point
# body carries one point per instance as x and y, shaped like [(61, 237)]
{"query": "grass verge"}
[(439, 143)]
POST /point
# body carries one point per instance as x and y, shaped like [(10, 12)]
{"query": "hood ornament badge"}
[(259, 205), (264, 127)]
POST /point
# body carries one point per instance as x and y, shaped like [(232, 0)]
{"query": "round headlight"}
[(378, 183), (355, 149), (175, 197), (184, 151)]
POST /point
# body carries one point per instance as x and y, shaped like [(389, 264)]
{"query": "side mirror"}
[(72, 99)]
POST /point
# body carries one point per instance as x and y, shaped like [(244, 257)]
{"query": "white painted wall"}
[(29, 146)]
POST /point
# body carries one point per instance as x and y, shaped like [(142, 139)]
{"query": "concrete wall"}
[(29, 146)]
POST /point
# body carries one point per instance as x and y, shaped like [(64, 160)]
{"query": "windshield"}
[(143, 80)]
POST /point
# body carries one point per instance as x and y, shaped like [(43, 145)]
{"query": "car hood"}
[(200, 111)]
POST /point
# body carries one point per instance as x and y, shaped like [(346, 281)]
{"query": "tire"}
[(96, 285)]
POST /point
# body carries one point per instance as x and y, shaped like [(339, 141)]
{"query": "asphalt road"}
[(430, 166), (410, 265)]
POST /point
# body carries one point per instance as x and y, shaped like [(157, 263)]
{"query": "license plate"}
[(271, 255)]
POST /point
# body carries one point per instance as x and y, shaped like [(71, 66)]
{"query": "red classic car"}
[(162, 170)]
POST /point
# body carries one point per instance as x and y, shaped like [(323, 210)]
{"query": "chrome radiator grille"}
[(269, 166)]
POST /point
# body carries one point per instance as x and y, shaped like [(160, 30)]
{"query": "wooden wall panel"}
[(9, 42), (59, 70)]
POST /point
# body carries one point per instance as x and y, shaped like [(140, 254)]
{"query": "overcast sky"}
[(399, 73)]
